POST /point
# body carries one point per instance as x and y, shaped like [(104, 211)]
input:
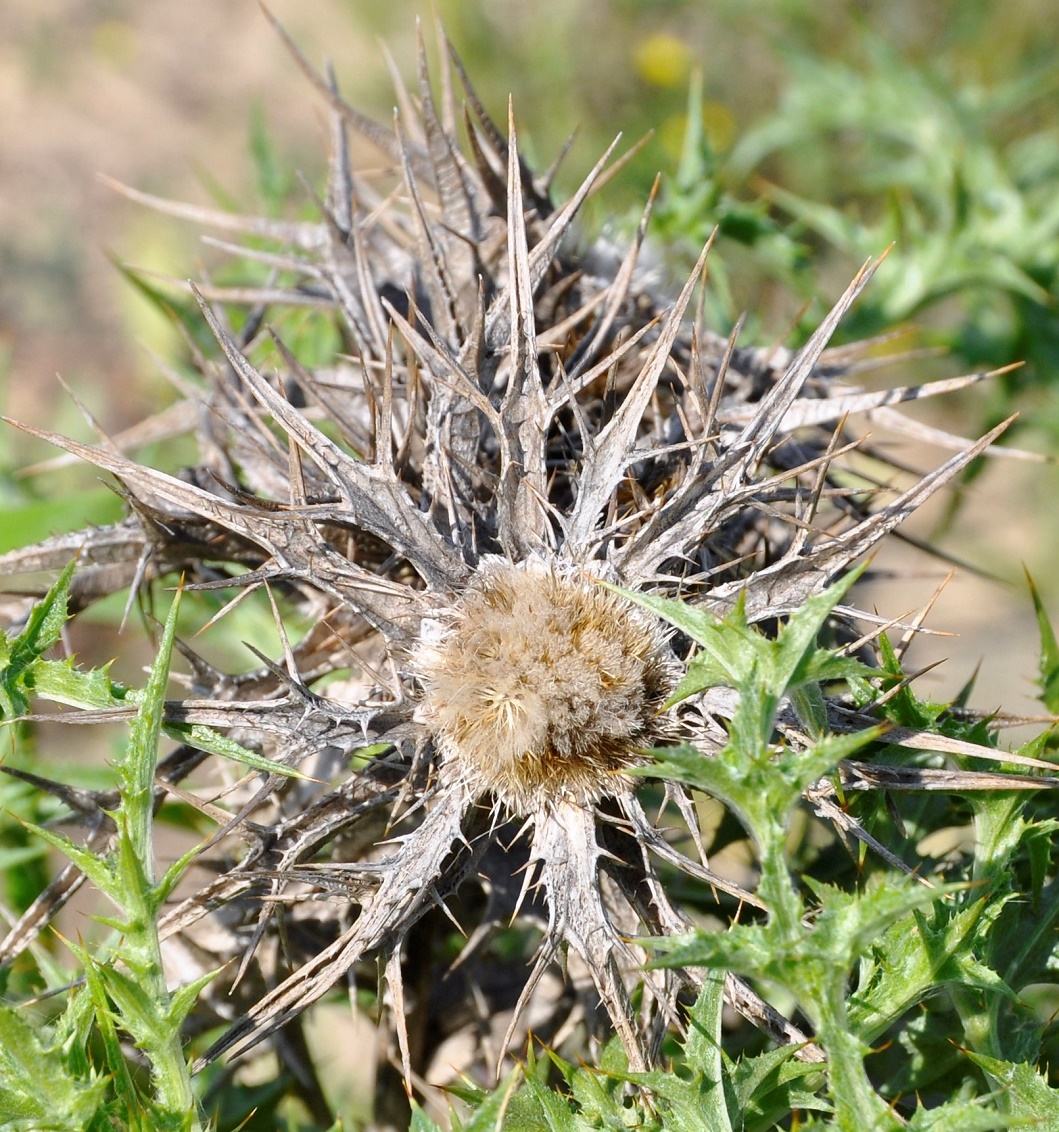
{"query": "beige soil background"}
[(153, 93)]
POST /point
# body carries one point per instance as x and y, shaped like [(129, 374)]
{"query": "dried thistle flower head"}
[(508, 419), (540, 686)]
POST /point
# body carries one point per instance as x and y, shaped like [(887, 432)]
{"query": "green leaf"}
[(63, 683), (104, 1017), (173, 874), (1049, 663), (757, 792), (699, 624), (908, 961), (732, 650), (537, 1106), (95, 868), (810, 709), (495, 1107), (703, 1050), (43, 626), (183, 313), (1027, 1094), (769, 1086), (962, 1115), (141, 755), (420, 1121), (183, 1000), (809, 961), (796, 644), (42, 630), (39, 1092), (204, 738), (137, 1008)]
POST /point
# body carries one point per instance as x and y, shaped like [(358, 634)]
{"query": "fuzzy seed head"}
[(541, 685)]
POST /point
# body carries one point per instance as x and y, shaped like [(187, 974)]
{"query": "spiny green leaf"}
[(95, 868), (119, 926), (537, 1106), (38, 1090), (63, 683), (704, 1052), (796, 643), (140, 1013), (810, 709), (1037, 841), (183, 1000), (963, 1114), (420, 1122), (172, 875), (18, 654), (104, 1017), (906, 962), (699, 624), (757, 791), (175, 308), (1027, 1094), (1049, 663), (845, 925), (44, 624), (132, 880), (740, 656), (599, 1094), (849, 921), (141, 755), (487, 1116), (682, 1105), (204, 738), (767, 1087), (904, 708)]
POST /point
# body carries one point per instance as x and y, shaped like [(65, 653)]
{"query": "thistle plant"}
[(549, 521), (128, 999)]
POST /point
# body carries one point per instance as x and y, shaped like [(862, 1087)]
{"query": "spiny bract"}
[(515, 418)]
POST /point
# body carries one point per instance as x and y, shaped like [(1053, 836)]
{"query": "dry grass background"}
[(151, 94), (155, 93)]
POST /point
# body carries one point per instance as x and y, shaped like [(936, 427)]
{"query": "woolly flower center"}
[(542, 685)]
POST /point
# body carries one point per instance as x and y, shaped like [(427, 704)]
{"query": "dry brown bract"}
[(515, 415)]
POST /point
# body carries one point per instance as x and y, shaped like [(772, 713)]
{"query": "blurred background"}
[(813, 135)]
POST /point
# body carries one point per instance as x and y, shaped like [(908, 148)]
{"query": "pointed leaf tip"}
[(1049, 656)]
